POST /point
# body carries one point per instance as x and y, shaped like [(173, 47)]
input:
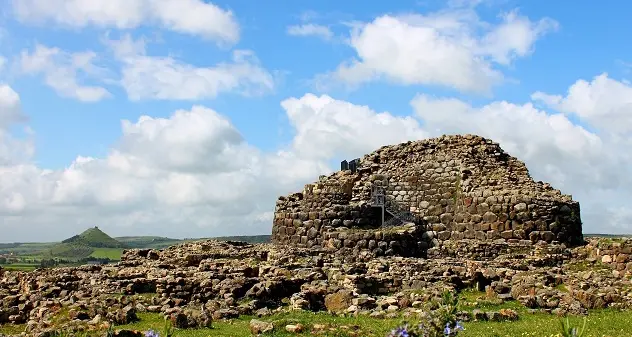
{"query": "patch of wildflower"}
[(152, 333), (441, 321)]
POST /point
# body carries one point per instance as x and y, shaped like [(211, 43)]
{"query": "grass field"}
[(20, 266), (600, 323), (113, 254)]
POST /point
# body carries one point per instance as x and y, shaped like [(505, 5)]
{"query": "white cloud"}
[(12, 151), (62, 70), (10, 107), (194, 17), (153, 77), (450, 48), (310, 29), (603, 103), (328, 128), (514, 37)]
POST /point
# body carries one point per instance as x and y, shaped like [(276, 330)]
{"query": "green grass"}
[(600, 323), (110, 253), (472, 299), (20, 266), (240, 327), (31, 248)]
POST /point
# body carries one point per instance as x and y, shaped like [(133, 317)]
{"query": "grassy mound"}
[(94, 237)]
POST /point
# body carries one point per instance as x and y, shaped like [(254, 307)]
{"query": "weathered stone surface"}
[(457, 186), (229, 279), (259, 327)]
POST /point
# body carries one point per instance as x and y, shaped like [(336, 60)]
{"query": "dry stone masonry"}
[(197, 283), (459, 188)]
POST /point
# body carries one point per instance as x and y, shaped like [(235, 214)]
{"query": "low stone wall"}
[(489, 250), (407, 240), (616, 253)]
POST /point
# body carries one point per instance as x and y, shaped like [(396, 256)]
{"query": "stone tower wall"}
[(463, 187)]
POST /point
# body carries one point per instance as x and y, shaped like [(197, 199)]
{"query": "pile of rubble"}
[(195, 283)]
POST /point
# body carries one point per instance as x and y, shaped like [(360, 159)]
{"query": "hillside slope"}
[(96, 238)]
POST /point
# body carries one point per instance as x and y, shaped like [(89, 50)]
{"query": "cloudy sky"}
[(187, 118)]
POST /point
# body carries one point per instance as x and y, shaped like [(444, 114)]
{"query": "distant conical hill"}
[(94, 237)]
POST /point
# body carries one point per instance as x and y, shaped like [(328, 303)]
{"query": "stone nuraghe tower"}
[(404, 199)]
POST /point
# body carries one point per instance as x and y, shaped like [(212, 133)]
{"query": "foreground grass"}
[(600, 323), (342, 326)]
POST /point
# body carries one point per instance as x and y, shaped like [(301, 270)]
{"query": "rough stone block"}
[(547, 236), (444, 235)]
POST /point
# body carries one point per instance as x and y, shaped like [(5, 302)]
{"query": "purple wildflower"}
[(400, 332), (447, 331), (151, 333)]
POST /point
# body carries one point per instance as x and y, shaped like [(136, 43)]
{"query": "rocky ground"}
[(197, 283)]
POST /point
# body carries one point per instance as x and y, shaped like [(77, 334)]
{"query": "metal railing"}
[(400, 214)]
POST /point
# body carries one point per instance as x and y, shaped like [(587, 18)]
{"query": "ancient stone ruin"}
[(431, 194), (350, 245)]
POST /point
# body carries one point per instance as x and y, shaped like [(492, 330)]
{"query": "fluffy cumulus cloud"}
[(155, 77), (79, 75), (452, 48), (328, 128), (189, 173), (603, 102), (194, 17), (64, 71)]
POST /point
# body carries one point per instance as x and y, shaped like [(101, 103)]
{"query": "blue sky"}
[(548, 49)]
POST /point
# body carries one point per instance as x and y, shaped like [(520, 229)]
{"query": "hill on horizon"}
[(85, 245), (96, 238)]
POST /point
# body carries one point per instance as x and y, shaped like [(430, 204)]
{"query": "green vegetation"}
[(20, 266), (93, 242), (91, 245), (599, 323), (94, 237), (113, 254), (70, 250), (611, 323)]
